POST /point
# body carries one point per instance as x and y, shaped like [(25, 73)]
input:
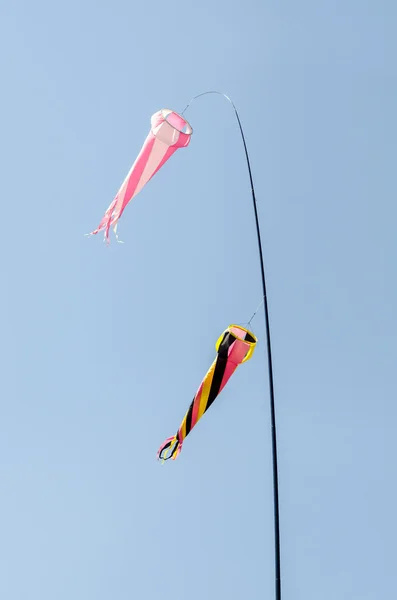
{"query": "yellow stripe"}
[(183, 427), (206, 390), (220, 338), (169, 448)]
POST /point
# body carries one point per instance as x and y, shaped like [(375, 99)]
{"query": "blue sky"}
[(92, 386)]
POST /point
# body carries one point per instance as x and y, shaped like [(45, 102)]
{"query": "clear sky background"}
[(103, 348)]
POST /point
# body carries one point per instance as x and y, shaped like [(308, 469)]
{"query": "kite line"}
[(269, 354)]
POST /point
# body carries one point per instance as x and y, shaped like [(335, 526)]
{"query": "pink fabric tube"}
[(169, 131)]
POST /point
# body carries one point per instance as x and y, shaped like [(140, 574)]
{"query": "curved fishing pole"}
[(269, 355)]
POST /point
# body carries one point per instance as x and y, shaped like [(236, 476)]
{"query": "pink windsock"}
[(169, 131)]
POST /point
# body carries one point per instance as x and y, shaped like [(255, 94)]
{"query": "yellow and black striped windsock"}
[(235, 346)]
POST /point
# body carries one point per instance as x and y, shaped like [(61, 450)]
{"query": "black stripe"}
[(189, 418), (225, 344), (216, 380), (249, 338), (220, 367)]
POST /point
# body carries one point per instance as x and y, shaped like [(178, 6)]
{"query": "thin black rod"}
[(269, 359)]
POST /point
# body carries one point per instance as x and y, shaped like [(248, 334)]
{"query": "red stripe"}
[(196, 406), (237, 352)]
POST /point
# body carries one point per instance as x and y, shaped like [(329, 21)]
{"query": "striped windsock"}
[(235, 346)]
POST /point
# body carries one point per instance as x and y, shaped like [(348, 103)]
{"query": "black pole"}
[(269, 360)]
